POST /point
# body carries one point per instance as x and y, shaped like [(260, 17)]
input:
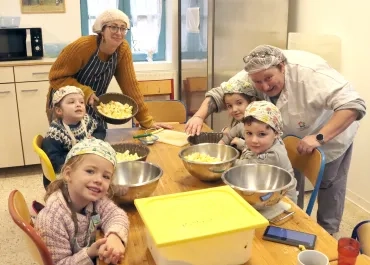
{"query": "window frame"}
[(125, 6)]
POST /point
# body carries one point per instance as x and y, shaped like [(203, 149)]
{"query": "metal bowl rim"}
[(142, 183), (205, 163), (252, 190), (133, 144)]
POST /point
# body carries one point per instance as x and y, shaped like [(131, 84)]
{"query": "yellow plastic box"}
[(212, 226)]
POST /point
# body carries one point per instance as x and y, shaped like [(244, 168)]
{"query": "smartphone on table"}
[(289, 237)]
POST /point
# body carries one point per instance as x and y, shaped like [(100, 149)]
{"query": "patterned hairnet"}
[(93, 146), (64, 91), (266, 112), (263, 57), (238, 86)]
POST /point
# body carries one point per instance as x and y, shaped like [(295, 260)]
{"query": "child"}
[(237, 95), (263, 129), (71, 125), (77, 204)]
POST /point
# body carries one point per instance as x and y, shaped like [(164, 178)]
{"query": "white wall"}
[(350, 21), (57, 27)]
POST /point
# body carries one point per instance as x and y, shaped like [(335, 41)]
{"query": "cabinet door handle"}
[(5, 92), (29, 90), (40, 73)]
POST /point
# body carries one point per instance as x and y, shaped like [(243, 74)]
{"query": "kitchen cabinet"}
[(10, 144), (32, 117), (23, 89)]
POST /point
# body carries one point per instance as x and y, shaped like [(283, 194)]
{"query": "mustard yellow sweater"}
[(77, 54)]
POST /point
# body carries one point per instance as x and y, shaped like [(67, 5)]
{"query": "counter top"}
[(43, 61)]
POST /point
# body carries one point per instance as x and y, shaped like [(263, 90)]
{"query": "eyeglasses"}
[(115, 29)]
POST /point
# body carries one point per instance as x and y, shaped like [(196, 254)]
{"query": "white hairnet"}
[(263, 57), (107, 16)]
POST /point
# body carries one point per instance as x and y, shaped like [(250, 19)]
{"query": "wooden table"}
[(361, 260), (176, 179)]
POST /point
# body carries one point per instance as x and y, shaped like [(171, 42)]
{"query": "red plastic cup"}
[(348, 250)]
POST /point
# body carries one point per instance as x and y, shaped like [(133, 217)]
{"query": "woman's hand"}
[(92, 99), (194, 125), (307, 144), (93, 250), (113, 250)]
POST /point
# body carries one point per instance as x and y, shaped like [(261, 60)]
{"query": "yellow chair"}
[(21, 216), (47, 167), (309, 165)]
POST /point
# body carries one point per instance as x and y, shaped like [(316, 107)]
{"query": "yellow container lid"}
[(197, 214)]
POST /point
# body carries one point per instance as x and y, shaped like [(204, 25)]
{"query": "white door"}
[(32, 115), (11, 154)]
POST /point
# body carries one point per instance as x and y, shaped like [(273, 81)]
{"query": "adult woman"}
[(90, 63), (317, 104)]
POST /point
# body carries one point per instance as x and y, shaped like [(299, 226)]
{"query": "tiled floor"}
[(29, 181)]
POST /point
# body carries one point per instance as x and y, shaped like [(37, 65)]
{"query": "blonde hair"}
[(60, 184)]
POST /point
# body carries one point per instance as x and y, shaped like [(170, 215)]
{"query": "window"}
[(194, 31), (147, 37)]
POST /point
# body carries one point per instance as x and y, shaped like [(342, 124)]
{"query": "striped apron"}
[(97, 75)]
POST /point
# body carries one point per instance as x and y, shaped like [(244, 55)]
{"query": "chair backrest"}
[(309, 165), (361, 232), (167, 110), (196, 84), (21, 216), (47, 167)]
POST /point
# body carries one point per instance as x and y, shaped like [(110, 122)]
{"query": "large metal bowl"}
[(260, 185), (134, 180), (141, 150), (209, 171)]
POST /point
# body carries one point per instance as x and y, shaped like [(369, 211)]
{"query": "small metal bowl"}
[(153, 139), (141, 150), (261, 185), (205, 137), (134, 180), (208, 171), (119, 97)]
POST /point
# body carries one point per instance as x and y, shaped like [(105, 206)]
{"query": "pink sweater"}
[(55, 226)]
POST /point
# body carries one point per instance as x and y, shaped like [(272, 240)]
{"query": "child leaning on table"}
[(77, 204), (72, 124), (238, 94), (263, 129)]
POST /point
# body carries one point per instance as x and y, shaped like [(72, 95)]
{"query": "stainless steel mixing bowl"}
[(207, 171), (135, 179), (259, 184)]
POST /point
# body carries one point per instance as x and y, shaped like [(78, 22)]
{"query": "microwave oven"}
[(21, 44)]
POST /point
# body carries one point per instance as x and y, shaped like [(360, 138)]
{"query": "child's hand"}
[(113, 250), (225, 130), (235, 141), (93, 250)]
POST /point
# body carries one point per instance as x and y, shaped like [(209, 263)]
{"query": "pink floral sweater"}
[(55, 226)]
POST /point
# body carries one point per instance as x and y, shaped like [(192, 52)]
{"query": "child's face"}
[(259, 137), (72, 108), (89, 180), (236, 105)]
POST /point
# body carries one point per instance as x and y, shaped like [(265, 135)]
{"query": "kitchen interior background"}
[(335, 17)]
